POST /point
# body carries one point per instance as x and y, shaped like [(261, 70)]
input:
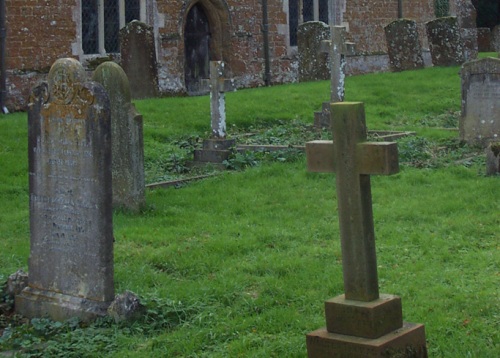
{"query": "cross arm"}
[(373, 157)]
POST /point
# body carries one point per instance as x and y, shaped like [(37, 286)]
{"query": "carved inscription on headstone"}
[(71, 251), (480, 120)]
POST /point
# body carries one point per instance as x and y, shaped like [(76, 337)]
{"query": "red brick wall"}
[(40, 31), (37, 34), (367, 19)]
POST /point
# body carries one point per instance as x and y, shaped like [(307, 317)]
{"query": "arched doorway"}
[(196, 48)]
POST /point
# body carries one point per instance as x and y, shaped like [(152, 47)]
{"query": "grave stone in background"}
[(337, 48), (127, 138), (71, 248), (466, 15), (495, 39), (403, 45), (313, 63), (138, 59), (445, 42), (484, 39), (480, 119), (217, 148), (361, 322), (493, 158)]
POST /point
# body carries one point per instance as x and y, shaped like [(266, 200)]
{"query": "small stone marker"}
[(445, 42), (480, 120), (362, 322), (337, 48), (127, 133), (138, 59), (313, 63), (403, 45), (71, 251), (216, 149), (493, 159)]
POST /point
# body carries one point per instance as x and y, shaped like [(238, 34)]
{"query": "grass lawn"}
[(240, 264)]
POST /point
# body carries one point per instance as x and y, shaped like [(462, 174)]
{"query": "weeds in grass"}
[(240, 264)]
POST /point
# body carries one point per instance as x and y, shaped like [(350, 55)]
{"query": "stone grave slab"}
[(127, 133), (71, 224), (480, 119), (445, 42), (313, 63), (403, 45), (138, 59)]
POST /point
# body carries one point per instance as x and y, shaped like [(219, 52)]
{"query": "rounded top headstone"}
[(65, 77), (114, 79)]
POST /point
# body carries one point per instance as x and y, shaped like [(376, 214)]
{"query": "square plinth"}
[(364, 319), (406, 342)]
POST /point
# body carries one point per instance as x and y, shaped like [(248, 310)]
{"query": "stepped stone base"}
[(405, 342), (214, 150)]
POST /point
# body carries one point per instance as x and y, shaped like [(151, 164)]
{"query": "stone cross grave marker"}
[(337, 48), (358, 322), (71, 246), (217, 148), (218, 86), (127, 133)]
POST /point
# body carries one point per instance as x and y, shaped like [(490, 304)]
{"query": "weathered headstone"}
[(71, 251), (466, 14), (403, 45), (484, 39), (127, 133), (495, 39), (480, 119), (445, 42), (138, 59), (337, 48), (313, 63), (217, 148), (361, 322)]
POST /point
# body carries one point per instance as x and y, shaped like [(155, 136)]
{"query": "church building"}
[(257, 39)]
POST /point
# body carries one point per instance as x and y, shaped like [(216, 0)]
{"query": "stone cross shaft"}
[(354, 160), (218, 85), (337, 48)]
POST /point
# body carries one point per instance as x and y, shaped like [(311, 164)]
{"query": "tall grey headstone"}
[(313, 62), (480, 120), (138, 59), (445, 41), (403, 45), (127, 134), (71, 246)]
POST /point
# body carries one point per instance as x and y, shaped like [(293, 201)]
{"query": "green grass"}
[(241, 263)]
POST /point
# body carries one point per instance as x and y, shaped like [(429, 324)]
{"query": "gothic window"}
[(102, 21), (300, 11)]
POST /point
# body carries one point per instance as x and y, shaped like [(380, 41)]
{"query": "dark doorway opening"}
[(488, 13), (197, 49)]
